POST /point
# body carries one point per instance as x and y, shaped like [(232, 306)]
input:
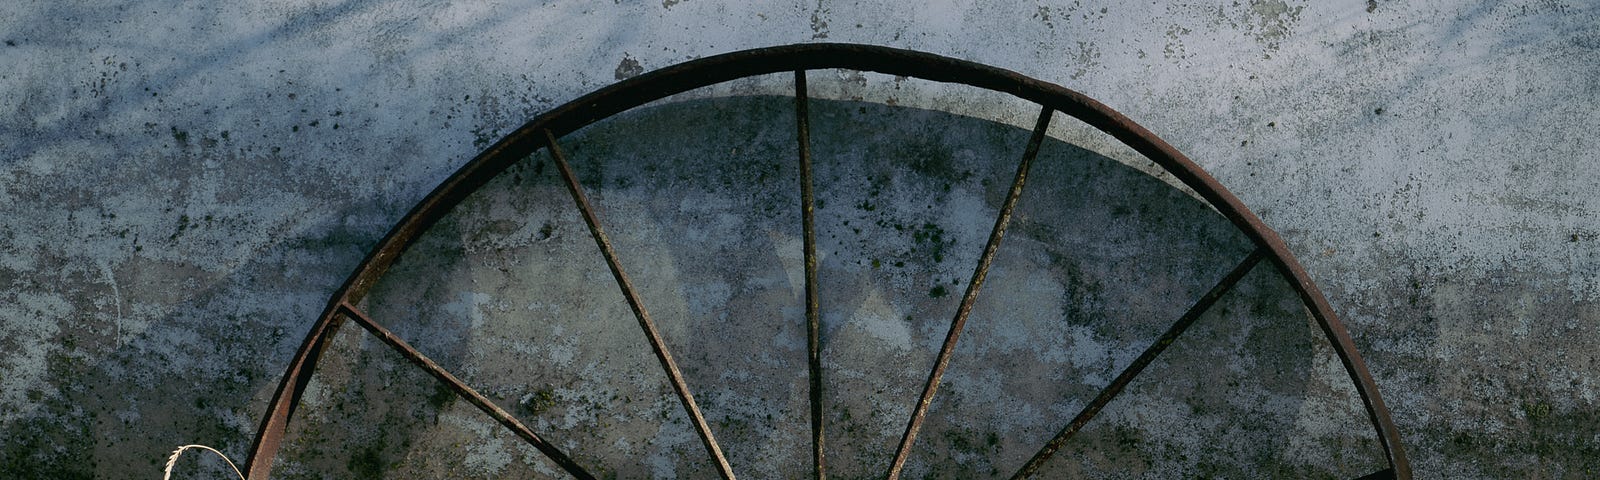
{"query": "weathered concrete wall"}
[(183, 184)]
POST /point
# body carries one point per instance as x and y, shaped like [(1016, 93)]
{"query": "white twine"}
[(174, 460)]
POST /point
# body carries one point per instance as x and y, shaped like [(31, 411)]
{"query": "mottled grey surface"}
[(183, 184), (700, 198)]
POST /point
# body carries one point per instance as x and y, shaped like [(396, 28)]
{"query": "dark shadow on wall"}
[(700, 198), (121, 401)]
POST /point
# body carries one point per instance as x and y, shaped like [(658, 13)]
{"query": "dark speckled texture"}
[(182, 184)]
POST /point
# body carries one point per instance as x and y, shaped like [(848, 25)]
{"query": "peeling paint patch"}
[(819, 22), (1272, 20), (628, 68), (1088, 57)]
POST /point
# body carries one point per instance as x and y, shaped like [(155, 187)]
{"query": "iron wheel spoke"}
[(1133, 369), (465, 392), (639, 312), (808, 226), (920, 411)]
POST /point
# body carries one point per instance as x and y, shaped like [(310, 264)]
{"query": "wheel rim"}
[(545, 130)]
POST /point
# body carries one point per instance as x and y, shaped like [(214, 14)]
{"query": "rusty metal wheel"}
[(544, 131)]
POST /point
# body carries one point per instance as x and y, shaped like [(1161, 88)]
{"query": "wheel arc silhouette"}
[(542, 132)]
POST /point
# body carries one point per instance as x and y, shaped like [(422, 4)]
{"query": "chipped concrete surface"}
[(184, 183)]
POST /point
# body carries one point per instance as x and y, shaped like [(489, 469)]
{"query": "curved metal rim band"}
[(658, 84)]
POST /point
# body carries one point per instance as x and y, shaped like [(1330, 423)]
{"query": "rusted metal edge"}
[(802, 111), (998, 233), (1138, 365), (466, 392), (657, 345), (720, 68)]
